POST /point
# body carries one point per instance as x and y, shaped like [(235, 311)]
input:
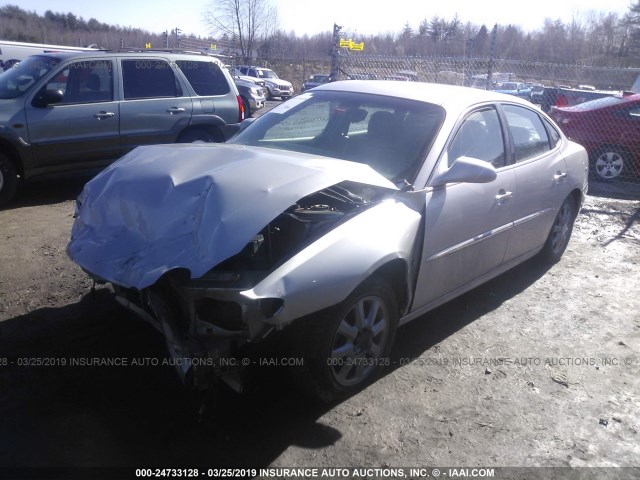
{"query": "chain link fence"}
[(606, 122)]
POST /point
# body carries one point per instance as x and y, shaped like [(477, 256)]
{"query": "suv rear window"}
[(206, 78)]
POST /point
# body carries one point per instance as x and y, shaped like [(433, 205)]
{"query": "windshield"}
[(392, 135), (508, 86), (19, 79), (267, 74), (319, 78)]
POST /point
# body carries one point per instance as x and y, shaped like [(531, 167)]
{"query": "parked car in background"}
[(252, 95), (566, 96), (398, 78), (327, 222), (315, 80), (236, 74), (609, 128), (517, 89), (12, 53), (361, 76), (79, 111), (276, 87)]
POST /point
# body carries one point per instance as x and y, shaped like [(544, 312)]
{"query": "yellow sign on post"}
[(351, 45), (147, 45), (213, 47)]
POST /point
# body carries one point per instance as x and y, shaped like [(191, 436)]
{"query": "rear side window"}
[(149, 78), (529, 135), (554, 136), (206, 78)]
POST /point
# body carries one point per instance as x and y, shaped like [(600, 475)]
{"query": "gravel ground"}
[(538, 367)]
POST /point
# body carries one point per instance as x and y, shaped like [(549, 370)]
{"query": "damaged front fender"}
[(324, 273)]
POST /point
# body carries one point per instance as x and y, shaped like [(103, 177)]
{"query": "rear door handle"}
[(559, 176), (503, 196), (174, 110), (102, 115)]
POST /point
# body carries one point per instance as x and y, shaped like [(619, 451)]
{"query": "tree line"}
[(249, 28)]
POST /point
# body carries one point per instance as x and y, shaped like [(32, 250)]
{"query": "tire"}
[(269, 96), (610, 163), (560, 233), (8, 179), (197, 135), (344, 351), (246, 107)]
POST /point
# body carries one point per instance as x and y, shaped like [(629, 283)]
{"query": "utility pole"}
[(335, 54), (492, 54)]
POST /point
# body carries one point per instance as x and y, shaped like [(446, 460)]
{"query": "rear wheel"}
[(8, 179), (560, 233), (345, 347)]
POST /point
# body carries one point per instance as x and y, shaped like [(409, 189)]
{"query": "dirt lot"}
[(539, 367)]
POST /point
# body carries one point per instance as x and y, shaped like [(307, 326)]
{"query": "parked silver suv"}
[(276, 87), (79, 111)]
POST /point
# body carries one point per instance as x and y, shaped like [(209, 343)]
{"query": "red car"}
[(609, 128)]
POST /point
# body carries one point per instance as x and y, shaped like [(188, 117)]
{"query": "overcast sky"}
[(315, 16)]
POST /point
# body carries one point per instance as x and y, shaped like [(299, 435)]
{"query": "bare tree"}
[(244, 21)]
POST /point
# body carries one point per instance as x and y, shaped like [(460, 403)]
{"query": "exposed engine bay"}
[(298, 226)]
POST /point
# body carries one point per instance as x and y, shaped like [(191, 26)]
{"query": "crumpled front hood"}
[(192, 206)]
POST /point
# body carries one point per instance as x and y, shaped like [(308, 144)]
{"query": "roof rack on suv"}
[(161, 50)]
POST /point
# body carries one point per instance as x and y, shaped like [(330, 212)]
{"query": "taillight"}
[(240, 109), (561, 101)]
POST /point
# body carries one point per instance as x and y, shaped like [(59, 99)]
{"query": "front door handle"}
[(102, 115), (503, 196), (174, 110)]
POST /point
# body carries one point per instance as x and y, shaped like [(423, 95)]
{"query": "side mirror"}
[(466, 170), (47, 97)]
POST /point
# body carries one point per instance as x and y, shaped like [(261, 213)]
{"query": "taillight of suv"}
[(241, 111)]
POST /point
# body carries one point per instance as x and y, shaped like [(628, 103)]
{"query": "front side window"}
[(206, 78), (480, 137), (529, 135), (149, 78), (87, 81)]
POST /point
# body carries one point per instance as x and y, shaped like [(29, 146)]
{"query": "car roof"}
[(447, 96)]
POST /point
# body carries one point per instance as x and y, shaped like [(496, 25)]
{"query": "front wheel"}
[(560, 233), (198, 135), (610, 163), (346, 346)]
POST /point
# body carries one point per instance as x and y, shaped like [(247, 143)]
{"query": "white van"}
[(12, 52)]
